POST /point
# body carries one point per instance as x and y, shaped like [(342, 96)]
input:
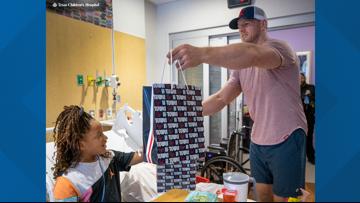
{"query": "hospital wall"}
[(300, 39), (129, 17), (75, 47)]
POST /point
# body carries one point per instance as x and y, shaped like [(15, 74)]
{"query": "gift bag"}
[(173, 133), (149, 143)]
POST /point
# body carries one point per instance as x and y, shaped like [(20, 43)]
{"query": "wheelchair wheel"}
[(215, 167), (238, 154)]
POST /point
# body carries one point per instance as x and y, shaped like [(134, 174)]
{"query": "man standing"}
[(267, 72)]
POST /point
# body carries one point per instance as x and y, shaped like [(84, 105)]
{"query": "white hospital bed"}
[(137, 185)]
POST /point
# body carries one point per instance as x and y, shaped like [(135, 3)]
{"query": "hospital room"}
[(180, 100)]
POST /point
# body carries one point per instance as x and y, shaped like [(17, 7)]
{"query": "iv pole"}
[(114, 79)]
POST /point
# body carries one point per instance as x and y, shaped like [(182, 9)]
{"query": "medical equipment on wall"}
[(114, 79), (114, 83)]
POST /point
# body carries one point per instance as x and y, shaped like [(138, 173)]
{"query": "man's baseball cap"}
[(250, 12)]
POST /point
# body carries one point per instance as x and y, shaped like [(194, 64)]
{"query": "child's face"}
[(94, 141)]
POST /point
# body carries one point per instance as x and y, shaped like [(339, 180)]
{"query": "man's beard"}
[(253, 38)]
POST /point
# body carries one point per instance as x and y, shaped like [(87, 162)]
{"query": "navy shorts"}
[(282, 165)]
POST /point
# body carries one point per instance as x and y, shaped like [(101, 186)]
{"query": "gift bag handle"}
[(171, 69)]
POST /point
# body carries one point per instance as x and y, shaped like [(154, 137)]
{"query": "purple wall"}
[(300, 39)]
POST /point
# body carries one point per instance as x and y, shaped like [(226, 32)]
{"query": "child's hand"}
[(137, 158), (139, 152)]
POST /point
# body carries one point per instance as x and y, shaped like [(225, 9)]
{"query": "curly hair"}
[(71, 126)]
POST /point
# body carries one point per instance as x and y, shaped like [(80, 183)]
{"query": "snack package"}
[(197, 196)]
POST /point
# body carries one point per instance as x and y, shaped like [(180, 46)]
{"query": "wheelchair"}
[(230, 157)]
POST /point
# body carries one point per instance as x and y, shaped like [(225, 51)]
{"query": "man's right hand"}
[(187, 56)]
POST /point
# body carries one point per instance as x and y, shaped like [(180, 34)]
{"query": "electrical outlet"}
[(90, 80), (80, 80), (109, 113), (101, 113)]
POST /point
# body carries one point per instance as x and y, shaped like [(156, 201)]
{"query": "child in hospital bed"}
[(84, 170)]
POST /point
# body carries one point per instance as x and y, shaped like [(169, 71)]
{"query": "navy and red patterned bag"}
[(173, 133)]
